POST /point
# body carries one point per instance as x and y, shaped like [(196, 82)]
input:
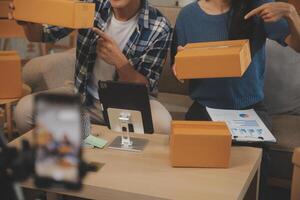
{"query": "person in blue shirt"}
[(219, 20)]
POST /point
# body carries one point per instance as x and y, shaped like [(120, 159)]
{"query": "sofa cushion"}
[(170, 13), (50, 71), (176, 104), (282, 80), (286, 128), (168, 82), (287, 132)]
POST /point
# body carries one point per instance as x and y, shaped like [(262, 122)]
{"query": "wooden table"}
[(148, 175)]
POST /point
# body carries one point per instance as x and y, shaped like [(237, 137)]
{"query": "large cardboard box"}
[(4, 8), (296, 176), (10, 29), (10, 75), (200, 144), (213, 59), (66, 13)]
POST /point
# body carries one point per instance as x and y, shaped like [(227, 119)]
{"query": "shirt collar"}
[(144, 20)]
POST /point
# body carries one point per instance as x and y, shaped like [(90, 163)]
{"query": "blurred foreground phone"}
[(57, 140)]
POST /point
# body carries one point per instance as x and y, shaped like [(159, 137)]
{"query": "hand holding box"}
[(66, 13), (213, 59)]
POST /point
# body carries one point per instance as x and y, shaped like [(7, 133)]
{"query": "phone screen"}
[(57, 140)]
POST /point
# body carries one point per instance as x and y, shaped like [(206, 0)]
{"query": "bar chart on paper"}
[(245, 125)]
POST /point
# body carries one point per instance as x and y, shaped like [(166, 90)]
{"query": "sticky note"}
[(95, 141)]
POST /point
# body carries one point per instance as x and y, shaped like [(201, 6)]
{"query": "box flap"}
[(296, 157), (230, 47), (8, 53), (200, 128), (209, 51), (223, 44)]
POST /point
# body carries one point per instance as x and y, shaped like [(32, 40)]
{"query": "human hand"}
[(179, 48), (108, 50), (272, 12)]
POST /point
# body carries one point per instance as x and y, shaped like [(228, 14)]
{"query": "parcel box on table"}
[(200, 144), (213, 59), (66, 13), (10, 75)]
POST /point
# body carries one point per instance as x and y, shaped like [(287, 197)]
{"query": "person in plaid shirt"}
[(129, 42)]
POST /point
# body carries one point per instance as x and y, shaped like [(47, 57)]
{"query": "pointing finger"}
[(254, 12), (101, 34)]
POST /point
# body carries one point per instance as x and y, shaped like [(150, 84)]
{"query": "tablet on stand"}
[(126, 109)]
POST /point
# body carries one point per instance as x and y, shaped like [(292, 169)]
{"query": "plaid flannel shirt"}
[(146, 49)]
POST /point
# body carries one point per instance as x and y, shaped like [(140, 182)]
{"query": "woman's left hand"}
[(272, 12)]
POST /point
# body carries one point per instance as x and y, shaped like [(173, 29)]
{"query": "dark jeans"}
[(198, 112)]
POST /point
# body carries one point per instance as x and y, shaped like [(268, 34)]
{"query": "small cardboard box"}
[(66, 13), (10, 75), (4, 8), (200, 144), (10, 29), (213, 59)]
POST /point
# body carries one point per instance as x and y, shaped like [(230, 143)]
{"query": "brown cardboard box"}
[(10, 29), (200, 144), (4, 8), (213, 59), (66, 13), (10, 75), (295, 195), (296, 3)]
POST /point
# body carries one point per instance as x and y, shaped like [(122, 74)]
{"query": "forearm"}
[(33, 32), (127, 73), (294, 25)]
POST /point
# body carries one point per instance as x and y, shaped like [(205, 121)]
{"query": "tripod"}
[(14, 166), (18, 165)]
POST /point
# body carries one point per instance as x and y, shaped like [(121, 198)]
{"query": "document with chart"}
[(245, 125)]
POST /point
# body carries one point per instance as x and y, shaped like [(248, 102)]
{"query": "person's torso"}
[(224, 92), (151, 24), (120, 32)]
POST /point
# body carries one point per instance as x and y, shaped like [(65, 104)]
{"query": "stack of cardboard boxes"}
[(9, 28), (4, 8), (10, 75)]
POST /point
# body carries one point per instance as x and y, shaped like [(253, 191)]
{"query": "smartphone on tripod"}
[(57, 140)]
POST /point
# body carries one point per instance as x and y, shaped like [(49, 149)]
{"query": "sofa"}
[(174, 95)]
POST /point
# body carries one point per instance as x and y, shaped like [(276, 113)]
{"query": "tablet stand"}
[(126, 142), (124, 119)]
